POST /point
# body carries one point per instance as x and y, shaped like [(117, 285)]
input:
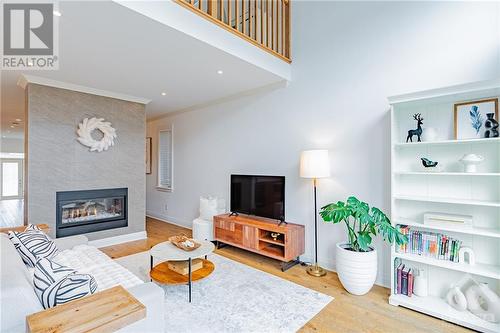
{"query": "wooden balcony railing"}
[(264, 23)]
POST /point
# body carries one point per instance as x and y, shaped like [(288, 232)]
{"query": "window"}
[(165, 160)]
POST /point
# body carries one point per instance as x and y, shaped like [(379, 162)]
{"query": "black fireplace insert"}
[(79, 212)]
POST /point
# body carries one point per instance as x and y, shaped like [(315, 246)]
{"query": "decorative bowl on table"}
[(184, 243)]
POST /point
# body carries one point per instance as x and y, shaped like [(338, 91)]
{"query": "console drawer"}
[(229, 231)]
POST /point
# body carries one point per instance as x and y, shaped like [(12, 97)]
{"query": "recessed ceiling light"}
[(220, 72), (12, 126), (57, 13), (163, 93), (18, 119)]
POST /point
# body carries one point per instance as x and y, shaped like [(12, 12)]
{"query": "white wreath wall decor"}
[(86, 128)]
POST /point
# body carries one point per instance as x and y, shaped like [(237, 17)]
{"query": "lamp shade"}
[(314, 164)]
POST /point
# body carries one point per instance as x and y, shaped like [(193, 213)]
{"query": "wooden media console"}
[(255, 234)]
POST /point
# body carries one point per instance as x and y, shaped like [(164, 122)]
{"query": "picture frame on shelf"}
[(148, 155), (469, 117)]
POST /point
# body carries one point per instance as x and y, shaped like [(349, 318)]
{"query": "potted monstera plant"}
[(356, 259)]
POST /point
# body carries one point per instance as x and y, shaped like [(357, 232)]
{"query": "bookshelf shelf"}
[(486, 232), (448, 142), (448, 200), (437, 307), (490, 271), (465, 174), (415, 192)]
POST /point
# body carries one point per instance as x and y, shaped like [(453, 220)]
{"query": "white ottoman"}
[(203, 229)]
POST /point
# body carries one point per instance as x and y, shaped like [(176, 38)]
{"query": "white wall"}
[(347, 57), (12, 145)]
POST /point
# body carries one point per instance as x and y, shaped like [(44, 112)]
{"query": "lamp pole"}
[(315, 270), (315, 224)]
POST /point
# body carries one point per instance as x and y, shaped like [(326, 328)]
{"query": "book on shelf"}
[(429, 244), (404, 281), (399, 280), (410, 282)]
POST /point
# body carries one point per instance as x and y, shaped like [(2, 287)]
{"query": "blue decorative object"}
[(475, 118), (418, 131), (428, 163), (491, 126)]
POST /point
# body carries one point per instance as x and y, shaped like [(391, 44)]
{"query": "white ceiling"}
[(106, 46)]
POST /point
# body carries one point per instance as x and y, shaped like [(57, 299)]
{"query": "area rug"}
[(234, 298)]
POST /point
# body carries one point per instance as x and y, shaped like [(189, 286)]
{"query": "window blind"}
[(165, 159)]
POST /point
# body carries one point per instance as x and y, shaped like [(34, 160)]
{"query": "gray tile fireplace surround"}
[(57, 162)]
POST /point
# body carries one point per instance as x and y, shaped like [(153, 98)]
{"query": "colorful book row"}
[(428, 244)]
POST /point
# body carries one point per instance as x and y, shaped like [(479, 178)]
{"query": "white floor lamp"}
[(315, 164)]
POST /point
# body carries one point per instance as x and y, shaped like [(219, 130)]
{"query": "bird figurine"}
[(428, 163)]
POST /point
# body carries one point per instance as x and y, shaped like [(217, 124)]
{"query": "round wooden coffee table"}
[(167, 251)]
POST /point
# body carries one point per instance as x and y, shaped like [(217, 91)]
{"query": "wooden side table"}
[(105, 311), (167, 251)]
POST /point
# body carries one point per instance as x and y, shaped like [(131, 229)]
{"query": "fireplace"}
[(79, 212)]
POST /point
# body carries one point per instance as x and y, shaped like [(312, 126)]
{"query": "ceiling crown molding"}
[(24, 80)]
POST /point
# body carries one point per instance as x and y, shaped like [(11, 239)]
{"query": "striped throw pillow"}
[(33, 244), (56, 284)]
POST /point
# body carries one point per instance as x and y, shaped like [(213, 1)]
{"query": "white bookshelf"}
[(415, 191)]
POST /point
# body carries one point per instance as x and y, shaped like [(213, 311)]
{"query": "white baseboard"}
[(167, 219), (119, 239)]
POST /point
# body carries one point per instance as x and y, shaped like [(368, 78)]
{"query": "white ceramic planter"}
[(356, 270)]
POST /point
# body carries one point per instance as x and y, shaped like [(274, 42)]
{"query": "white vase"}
[(420, 284), (357, 271)]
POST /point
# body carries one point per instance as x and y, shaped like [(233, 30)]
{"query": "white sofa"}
[(18, 298)]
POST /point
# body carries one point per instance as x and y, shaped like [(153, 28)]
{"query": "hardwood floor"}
[(346, 313), (11, 213)]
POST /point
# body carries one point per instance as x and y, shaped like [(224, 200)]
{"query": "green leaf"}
[(364, 240), (384, 227), (361, 210), (335, 212)]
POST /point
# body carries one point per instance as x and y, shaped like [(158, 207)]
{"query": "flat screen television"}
[(258, 195)]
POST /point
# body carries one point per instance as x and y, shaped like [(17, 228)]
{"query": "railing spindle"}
[(287, 34), (274, 21), (261, 22), (267, 23), (282, 27), (250, 20), (236, 15), (255, 20)]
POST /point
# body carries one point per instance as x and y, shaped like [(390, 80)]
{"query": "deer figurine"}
[(418, 131)]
